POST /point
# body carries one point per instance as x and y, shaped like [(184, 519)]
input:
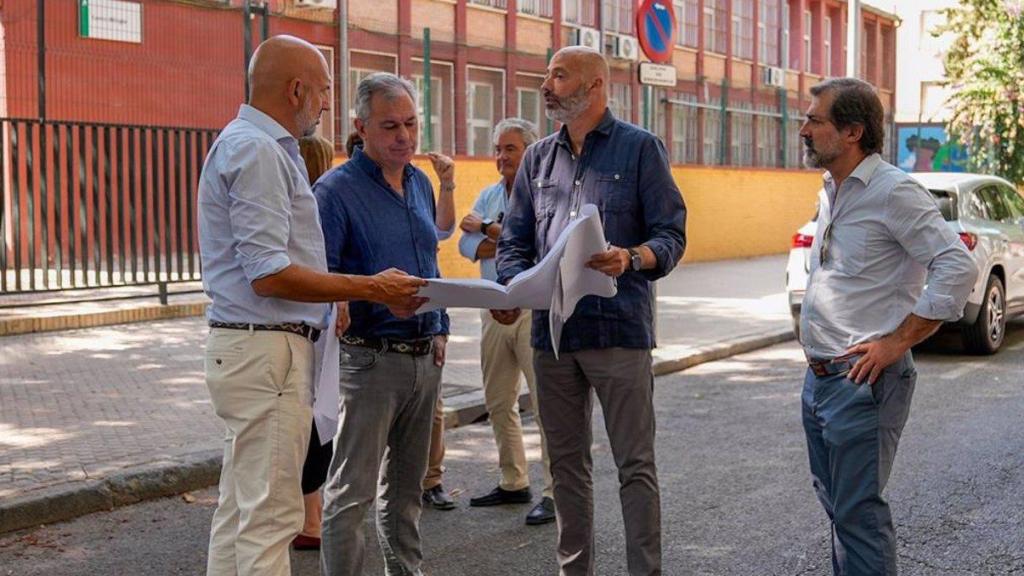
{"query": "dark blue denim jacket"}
[(369, 228), (624, 170)]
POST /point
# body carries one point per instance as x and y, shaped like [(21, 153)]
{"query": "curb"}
[(63, 321), (202, 469), (154, 480), (464, 409)]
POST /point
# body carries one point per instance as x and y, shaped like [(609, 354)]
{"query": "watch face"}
[(636, 262)]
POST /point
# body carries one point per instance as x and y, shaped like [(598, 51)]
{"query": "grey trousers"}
[(852, 433), (624, 385), (386, 409)]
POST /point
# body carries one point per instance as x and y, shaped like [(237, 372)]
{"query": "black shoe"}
[(500, 496), (542, 513), (438, 498)]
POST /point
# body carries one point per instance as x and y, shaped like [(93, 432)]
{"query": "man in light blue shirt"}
[(880, 238), (264, 268), (505, 349)]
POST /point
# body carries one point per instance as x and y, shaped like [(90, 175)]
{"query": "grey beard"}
[(569, 108)]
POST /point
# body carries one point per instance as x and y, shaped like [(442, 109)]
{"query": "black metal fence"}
[(91, 205)]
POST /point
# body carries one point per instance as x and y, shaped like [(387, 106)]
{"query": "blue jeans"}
[(852, 433)]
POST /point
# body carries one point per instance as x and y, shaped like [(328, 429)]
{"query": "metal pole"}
[(853, 38), (723, 132), (784, 127), (247, 42), (342, 83), (265, 26), (41, 56), (428, 129), (547, 120)]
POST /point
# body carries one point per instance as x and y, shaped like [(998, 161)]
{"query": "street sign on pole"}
[(655, 27), (657, 74)]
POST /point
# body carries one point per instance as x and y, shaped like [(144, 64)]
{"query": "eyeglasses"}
[(826, 239)]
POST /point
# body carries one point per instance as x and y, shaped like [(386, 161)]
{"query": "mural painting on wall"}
[(929, 149)]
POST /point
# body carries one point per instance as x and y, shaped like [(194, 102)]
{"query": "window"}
[(543, 8), (621, 16), (994, 205), (768, 136), (579, 12), (436, 105), (529, 105), (361, 65), (870, 53), (620, 101), (484, 107), (743, 29), (442, 110), (888, 78), (768, 32), (741, 135), (683, 142), (714, 26), (806, 54), (686, 22), (828, 46), (794, 152), (712, 137), (1013, 200), (492, 3)]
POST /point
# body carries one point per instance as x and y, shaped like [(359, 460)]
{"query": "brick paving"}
[(80, 404)]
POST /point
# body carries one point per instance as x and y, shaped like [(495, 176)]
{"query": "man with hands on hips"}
[(880, 238)]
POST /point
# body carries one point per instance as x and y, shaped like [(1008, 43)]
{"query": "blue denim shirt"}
[(368, 228), (624, 170)]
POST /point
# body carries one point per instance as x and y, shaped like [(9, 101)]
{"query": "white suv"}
[(988, 214)]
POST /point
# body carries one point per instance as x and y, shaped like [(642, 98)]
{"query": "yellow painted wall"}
[(732, 212)]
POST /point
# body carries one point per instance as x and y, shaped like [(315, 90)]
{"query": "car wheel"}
[(985, 336)]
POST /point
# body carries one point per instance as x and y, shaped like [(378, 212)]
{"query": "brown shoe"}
[(303, 542)]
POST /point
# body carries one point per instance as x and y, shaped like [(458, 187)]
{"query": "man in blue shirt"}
[(505, 350), (265, 271), (606, 344), (378, 212)]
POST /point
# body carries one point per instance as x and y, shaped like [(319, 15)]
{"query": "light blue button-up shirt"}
[(492, 203), (885, 238), (257, 216)]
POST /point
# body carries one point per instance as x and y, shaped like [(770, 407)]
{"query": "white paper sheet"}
[(326, 394), (556, 283)]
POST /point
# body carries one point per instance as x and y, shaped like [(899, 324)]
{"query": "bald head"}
[(289, 80), (280, 59), (587, 61)]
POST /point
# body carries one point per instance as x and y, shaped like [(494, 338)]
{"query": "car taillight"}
[(969, 240), (802, 240)]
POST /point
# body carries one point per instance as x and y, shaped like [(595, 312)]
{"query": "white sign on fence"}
[(110, 20)]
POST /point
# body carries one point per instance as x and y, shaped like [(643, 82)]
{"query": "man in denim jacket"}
[(606, 344)]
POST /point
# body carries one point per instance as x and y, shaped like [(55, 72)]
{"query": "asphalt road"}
[(736, 494)]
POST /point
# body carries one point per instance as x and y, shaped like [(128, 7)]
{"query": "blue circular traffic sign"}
[(655, 27)]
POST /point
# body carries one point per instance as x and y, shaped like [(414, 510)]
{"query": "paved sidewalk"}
[(100, 417)]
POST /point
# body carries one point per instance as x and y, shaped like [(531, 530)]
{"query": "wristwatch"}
[(635, 261), (483, 225)]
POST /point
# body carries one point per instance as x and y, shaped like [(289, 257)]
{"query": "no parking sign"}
[(655, 27)]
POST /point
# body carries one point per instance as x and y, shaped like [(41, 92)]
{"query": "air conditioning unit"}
[(626, 48), (773, 76), (583, 36), (327, 4)]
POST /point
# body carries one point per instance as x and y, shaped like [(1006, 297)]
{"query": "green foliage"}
[(985, 70)]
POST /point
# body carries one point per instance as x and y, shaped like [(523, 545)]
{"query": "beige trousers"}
[(506, 354), (261, 386)]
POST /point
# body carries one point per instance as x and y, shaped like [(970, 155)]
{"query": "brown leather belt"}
[(833, 367), (304, 330), (417, 347)]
